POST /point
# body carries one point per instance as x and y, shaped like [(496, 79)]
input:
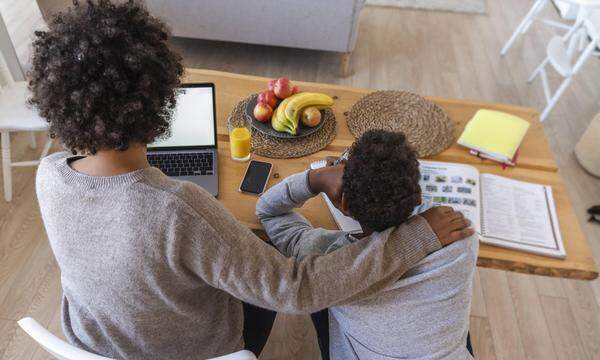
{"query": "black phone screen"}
[(256, 177)]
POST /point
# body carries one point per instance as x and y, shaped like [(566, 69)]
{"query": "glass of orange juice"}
[(240, 138)]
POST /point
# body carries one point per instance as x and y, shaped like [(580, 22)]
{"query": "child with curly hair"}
[(425, 313)]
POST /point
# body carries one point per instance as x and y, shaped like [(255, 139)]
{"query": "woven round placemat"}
[(278, 148), (426, 125)]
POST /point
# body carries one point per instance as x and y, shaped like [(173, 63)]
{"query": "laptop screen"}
[(193, 121)]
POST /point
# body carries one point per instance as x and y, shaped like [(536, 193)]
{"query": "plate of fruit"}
[(283, 111)]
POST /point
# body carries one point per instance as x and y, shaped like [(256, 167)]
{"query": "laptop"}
[(190, 152)]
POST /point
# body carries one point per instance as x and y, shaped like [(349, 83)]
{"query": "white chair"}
[(568, 54), (62, 350), (532, 16), (15, 116)]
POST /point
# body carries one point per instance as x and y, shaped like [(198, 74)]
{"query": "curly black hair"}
[(104, 77), (381, 179)]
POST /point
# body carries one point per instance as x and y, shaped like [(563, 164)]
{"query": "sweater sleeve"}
[(229, 256), (290, 232)]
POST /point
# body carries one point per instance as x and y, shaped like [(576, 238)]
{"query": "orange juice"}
[(239, 138)]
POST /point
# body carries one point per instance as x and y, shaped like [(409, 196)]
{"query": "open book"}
[(504, 212)]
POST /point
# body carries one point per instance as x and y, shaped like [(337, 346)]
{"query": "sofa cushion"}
[(329, 25)]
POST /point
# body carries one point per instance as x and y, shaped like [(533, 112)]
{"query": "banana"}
[(286, 117), (300, 101), (275, 123), (280, 123)]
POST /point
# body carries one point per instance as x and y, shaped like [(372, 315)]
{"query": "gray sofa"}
[(330, 25)]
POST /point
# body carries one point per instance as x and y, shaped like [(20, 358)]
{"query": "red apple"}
[(295, 90), (271, 84), (282, 88), (263, 112), (311, 116), (268, 97)]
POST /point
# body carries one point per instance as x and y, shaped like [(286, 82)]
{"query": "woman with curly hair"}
[(151, 267)]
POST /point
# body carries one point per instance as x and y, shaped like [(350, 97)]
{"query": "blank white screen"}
[(193, 122)]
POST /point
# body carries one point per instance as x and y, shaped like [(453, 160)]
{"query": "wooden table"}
[(536, 164)]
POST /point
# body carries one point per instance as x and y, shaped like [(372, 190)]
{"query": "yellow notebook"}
[(494, 133)]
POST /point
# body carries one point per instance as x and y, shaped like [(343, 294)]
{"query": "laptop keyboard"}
[(183, 164)]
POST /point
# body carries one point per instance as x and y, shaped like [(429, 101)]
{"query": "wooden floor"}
[(514, 316)]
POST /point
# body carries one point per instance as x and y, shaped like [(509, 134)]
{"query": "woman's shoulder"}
[(190, 205), (48, 167), (181, 189), (57, 156), (53, 159), (185, 194)]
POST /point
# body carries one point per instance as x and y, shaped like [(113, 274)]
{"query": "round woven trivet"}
[(426, 125), (278, 148)]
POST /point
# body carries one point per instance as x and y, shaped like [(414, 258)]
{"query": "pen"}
[(342, 157)]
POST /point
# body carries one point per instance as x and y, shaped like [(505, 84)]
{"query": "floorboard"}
[(533, 328), (564, 332), (481, 338), (502, 316)]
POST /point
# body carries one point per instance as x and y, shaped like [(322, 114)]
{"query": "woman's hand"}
[(449, 225)]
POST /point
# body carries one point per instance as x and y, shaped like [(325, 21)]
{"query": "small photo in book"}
[(440, 199), (456, 179), (469, 202), (447, 188), (431, 188), (454, 200)]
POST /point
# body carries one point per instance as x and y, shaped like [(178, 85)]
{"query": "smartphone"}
[(256, 178)]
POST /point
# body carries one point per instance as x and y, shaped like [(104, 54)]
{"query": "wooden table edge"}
[(575, 274)]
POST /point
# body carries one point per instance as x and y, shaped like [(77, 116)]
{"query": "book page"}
[(453, 185), (518, 212), (344, 223)]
